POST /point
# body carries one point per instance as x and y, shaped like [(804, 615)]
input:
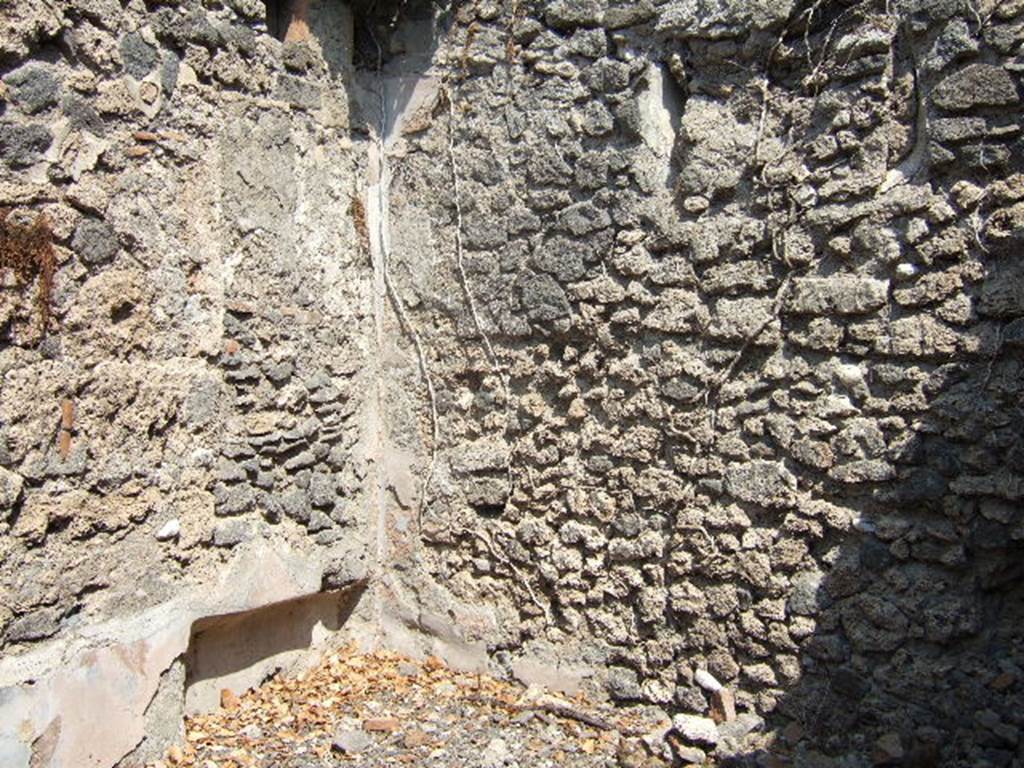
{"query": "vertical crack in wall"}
[(396, 88), (376, 222)]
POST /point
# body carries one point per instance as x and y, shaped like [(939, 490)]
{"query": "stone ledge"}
[(50, 697)]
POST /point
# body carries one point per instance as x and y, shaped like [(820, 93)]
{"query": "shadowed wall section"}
[(240, 651)]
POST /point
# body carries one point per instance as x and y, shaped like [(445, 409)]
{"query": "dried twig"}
[(763, 87), (558, 709), (981, 21), (699, 529), (460, 251), (720, 381), (504, 560), (464, 279)]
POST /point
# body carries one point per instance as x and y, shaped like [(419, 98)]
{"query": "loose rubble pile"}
[(382, 709)]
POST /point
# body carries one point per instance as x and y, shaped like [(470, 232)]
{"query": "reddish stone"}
[(64, 445), (416, 738), (228, 699), (1003, 681), (723, 706), (67, 414), (792, 733)]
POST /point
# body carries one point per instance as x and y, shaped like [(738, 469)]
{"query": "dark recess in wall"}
[(221, 646), (376, 20), (278, 13)]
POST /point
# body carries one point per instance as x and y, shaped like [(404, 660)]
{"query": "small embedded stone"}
[(280, 372), (350, 742), (591, 43), (495, 755), (629, 14), (1003, 681), (34, 626), (138, 57), (767, 483), (738, 729), (230, 533), (694, 729), (318, 521), (169, 530), (696, 204), (706, 680), (543, 298), (415, 738), (300, 461), (10, 491), (888, 750), (228, 699), (804, 593), (233, 500), (623, 684), (298, 92), (230, 471), (955, 129), (677, 311), (976, 85), (22, 145), (33, 88), (94, 241), (839, 294), (298, 56), (567, 14), (687, 755), (723, 706)]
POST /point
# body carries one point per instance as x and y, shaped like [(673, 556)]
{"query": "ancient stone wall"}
[(615, 343), (185, 436), (724, 359)]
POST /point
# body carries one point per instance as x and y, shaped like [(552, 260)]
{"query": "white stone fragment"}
[(696, 730), (906, 269), (707, 681), (170, 530), (864, 525)]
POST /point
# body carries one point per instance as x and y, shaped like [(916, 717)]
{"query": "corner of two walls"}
[(721, 340)]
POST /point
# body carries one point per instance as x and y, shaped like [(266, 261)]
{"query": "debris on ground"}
[(382, 709)]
